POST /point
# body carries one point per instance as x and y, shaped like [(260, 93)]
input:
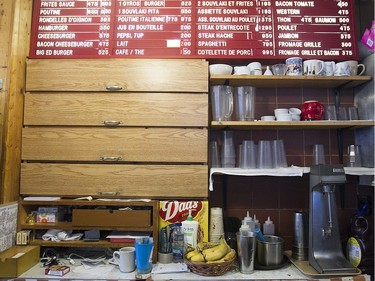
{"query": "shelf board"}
[(94, 202), (261, 81), (68, 225), (323, 124), (78, 243)]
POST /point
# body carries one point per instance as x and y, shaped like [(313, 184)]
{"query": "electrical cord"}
[(85, 260)]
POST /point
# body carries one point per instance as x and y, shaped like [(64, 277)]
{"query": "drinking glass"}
[(265, 155), (318, 154)]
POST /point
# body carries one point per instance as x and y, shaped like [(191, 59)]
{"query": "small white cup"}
[(294, 110), (241, 70), (268, 118), (255, 68), (125, 258), (284, 117), (278, 111)]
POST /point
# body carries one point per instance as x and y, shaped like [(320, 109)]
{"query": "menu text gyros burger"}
[(264, 29)]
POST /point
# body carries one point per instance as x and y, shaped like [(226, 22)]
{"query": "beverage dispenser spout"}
[(325, 253)]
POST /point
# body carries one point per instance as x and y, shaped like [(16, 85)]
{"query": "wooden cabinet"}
[(113, 129), (129, 128)]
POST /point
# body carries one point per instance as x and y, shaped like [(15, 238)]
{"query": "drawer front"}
[(114, 144), (182, 75), (111, 218), (124, 109), (103, 180)]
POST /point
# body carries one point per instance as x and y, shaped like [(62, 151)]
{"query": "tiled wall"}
[(280, 197)]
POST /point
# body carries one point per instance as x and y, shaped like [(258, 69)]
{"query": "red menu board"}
[(261, 29)]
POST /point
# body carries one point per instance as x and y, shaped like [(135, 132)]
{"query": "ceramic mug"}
[(355, 66), (255, 68), (342, 69), (312, 110), (329, 68), (294, 65), (125, 258), (313, 67)]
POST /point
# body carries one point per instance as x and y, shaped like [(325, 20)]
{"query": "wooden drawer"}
[(129, 109), (142, 75), (121, 144), (111, 218), (144, 181)]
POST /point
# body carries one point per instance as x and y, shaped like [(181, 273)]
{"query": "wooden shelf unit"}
[(26, 207)]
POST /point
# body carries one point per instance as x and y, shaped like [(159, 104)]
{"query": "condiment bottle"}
[(249, 221), (268, 227)]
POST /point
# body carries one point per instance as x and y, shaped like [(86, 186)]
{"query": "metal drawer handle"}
[(111, 123), (108, 193), (113, 88), (110, 158)]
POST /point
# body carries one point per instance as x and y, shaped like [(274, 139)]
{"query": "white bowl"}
[(267, 118), (220, 69), (284, 117)]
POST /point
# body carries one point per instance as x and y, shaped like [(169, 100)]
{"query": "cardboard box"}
[(18, 259), (111, 218), (178, 211)]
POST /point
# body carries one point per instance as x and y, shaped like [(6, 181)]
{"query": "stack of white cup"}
[(216, 224)]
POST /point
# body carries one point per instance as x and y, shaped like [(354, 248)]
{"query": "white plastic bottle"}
[(249, 221), (190, 229), (268, 227)]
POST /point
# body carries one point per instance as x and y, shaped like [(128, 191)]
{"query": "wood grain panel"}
[(183, 75), (130, 109), (130, 144), (145, 181)]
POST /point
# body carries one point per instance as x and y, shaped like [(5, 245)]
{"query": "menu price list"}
[(261, 29)]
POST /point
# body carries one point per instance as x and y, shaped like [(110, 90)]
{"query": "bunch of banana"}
[(211, 253)]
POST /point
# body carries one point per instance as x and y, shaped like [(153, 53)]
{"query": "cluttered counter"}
[(108, 271)]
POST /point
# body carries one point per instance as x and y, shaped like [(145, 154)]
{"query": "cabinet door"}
[(124, 109), (114, 144), (145, 181), (180, 75)]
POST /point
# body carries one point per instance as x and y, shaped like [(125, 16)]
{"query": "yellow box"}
[(178, 211), (18, 259)]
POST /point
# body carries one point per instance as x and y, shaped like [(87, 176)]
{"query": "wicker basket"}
[(210, 269)]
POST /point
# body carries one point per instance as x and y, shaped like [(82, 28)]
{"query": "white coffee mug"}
[(354, 67), (125, 258), (342, 69), (255, 68), (241, 70), (329, 68), (313, 67)]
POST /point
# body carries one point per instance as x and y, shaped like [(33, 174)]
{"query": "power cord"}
[(49, 258), (85, 260)]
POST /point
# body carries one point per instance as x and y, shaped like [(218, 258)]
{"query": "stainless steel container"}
[(271, 251), (300, 244), (246, 245)]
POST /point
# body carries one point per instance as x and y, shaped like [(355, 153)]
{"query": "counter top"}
[(111, 272)]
